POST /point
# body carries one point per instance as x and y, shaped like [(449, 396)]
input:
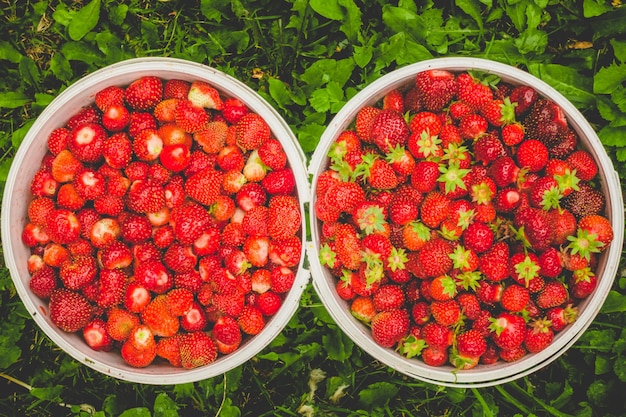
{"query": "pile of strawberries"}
[(164, 223), (462, 219)]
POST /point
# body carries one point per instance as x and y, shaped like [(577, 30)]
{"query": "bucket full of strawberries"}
[(466, 221), (153, 221)]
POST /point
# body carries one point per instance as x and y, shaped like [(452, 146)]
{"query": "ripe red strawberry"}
[(498, 112), (508, 330), (285, 218), (140, 121), (285, 252), (168, 348), (194, 319), (532, 154), (347, 246), (43, 282), (515, 298), (251, 131), (144, 93), (524, 96), (447, 313), (204, 95), (513, 134), (226, 334), (233, 109), (436, 88), (488, 148), (584, 164), (112, 287), (136, 297), (117, 150), (86, 142), (470, 346), (553, 294), (196, 349), (156, 315), (120, 323), (434, 209), (513, 354), (388, 297), (389, 327), (494, 263), (269, 303), (437, 336), (272, 154), (176, 88), (362, 308), (561, 316), (472, 91), (403, 210), (434, 257), (539, 335), (281, 181), (251, 320), (109, 96), (62, 226), (87, 114), (154, 276), (600, 226), (388, 130), (189, 117), (364, 120), (204, 186), (96, 336), (57, 140), (478, 237), (344, 196), (116, 118)]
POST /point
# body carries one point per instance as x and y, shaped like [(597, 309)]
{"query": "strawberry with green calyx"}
[(436, 87), (369, 216), (474, 88), (545, 193), (443, 287), (371, 269), (378, 173), (561, 316), (452, 179), (411, 346), (397, 259), (425, 145), (599, 226), (582, 283), (499, 112), (389, 129), (584, 164), (328, 257), (539, 335), (401, 160), (508, 330), (464, 259), (415, 234), (469, 346), (362, 308), (390, 327), (584, 243), (524, 267)]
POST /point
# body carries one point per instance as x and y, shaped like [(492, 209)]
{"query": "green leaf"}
[(13, 99), (567, 80), (593, 8), (19, 134), (136, 412), (9, 53), (532, 40), (61, 67), (330, 9), (164, 406), (84, 20), (472, 8), (48, 393), (378, 394), (80, 51), (607, 79), (29, 71), (619, 367), (338, 345), (619, 49), (614, 303), (117, 14), (309, 136)]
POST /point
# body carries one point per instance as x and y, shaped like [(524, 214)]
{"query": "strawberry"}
[(425, 122), (584, 164), (212, 138), (435, 257), (204, 186), (493, 263), (120, 323), (488, 148), (57, 140), (269, 303), (139, 121), (508, 330), (443, 288), (196, 349), (545, 193), (347, 246), (226, 334), (112, 287), (364, 121), (154, 276), (447, 313), (539, 335), (87, 114), (389, 327), (553, 294), (403, 210), (117, 150), (362, 308), (513, 134), (251, 320), (394, 100), (513, 354), (281, 181), (202, 94), (43, 282), (136, 297), (272, 154), (190, 117), (285, 218), (109, 96), (96, 336), (546, 122), (194, 318), (344, 196), (584, 201), (233, 109), (144, 93), (436, 88), (498, 112), (478, 237), (157, 316), (176, 88), (472, 91), (62, 226), (524, 97), (561, 316), (388, 130), (251, 131), (388, 297), (470, 346), (434, 209), (515, 298), (599, 226), (285, 252), (115, 118), (180, 258), (532, 154), (86, 142)]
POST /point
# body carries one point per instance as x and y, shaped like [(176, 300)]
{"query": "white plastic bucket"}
[(500, 372), (17, 196)]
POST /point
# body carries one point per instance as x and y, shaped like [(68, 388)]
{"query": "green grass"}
[(307, 58)]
